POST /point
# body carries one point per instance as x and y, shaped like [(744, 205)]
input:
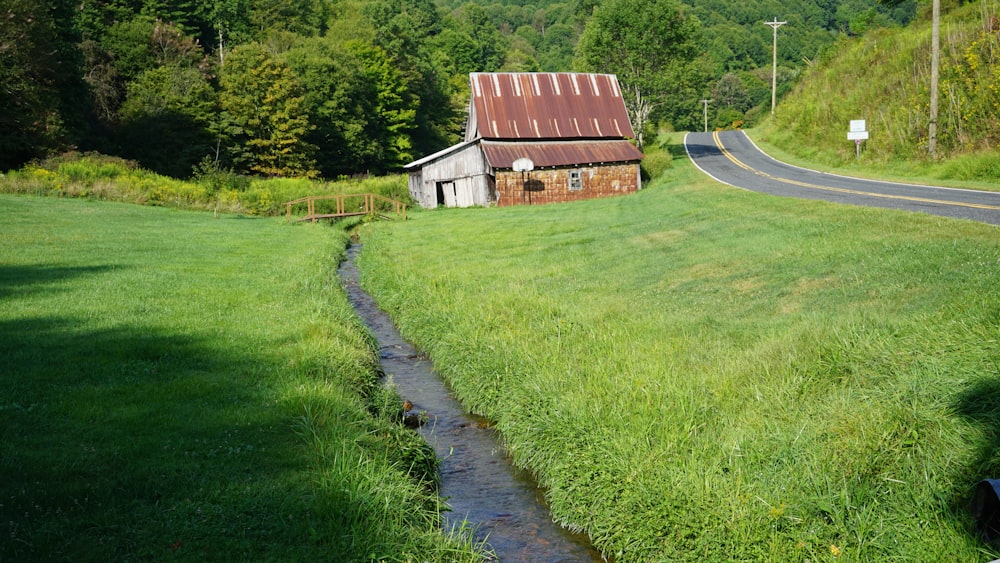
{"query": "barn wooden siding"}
[(597, 181), (458, 179)]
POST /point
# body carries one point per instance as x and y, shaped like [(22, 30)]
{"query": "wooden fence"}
[(347, 205)]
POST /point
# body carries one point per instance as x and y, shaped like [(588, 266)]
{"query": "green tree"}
[(40, 90), (120, 54), (359, 104), (394, 110), (520, 56), (459, 49), (490, 45), (651, 45), (407, 31), (94, 17), (126, 52), (731, 92), (263, 119), (402, 26), (230, 24), (166, 120), (304, 17), (129, 44), (556, 51)]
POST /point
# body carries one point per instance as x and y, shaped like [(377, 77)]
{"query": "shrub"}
[(208, 173), (978, 167), (656, 162)]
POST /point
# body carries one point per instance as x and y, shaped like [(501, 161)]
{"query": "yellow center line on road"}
[(741, 164)]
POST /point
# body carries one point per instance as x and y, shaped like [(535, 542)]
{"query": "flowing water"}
[(481, 486)]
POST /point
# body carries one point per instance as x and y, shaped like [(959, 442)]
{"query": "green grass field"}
[(179, 387), (706, 374)]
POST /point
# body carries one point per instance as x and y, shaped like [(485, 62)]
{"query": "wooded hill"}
[(327, 88), (884, 78)]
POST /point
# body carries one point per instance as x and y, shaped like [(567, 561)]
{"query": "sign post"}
[(858, 133)]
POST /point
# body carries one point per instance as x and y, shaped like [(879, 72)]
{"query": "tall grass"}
[(179, 387), (106, 178), (705, 374)]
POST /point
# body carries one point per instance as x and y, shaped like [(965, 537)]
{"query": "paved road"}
[(732, 158)]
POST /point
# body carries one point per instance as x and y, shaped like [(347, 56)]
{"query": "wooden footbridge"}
[(346, 205)]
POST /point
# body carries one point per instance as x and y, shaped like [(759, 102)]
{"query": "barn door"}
[(439, 194), (446, 194)]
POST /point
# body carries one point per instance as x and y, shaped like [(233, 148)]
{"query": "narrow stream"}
[(480, 484)]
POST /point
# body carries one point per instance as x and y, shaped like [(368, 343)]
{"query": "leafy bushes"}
[(973, 167), (108, 178), (655, 162)]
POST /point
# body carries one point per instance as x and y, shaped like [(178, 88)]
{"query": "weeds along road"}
[(732, 158)]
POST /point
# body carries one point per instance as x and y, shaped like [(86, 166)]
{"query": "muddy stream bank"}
[(478, 481)]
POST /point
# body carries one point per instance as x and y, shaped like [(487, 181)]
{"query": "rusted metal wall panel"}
[(543, 105), (553, 184), (501, 155)]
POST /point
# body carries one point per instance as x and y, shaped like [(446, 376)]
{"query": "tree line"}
[(332, 88)]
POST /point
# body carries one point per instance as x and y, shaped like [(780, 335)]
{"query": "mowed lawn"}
[(701, 373), (179, 386)]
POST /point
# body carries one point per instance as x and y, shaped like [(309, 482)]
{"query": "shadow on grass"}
[(18, 281), (133, 443), (676, 150), (980, 404)]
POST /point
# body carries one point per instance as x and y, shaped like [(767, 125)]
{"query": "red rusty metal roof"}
[(560, 153), (547, 105)]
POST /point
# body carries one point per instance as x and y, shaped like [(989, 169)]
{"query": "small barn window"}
[(575, 180)]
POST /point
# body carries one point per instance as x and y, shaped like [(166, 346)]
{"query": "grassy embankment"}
[(701, 373), (178, 387), (883, 77), (108, 178)]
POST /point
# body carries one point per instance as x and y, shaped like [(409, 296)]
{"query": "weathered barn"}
[(534, 138)]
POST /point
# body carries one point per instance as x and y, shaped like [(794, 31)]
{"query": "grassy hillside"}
[(178, 387), (884, 78), (707, 374)]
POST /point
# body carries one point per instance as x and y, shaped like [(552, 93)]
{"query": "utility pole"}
[(774, 59), (706, 102), (935, 57)]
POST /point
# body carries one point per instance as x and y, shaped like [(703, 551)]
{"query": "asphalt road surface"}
[(732, 158)]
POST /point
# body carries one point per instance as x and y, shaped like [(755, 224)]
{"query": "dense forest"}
[(333, 88)]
